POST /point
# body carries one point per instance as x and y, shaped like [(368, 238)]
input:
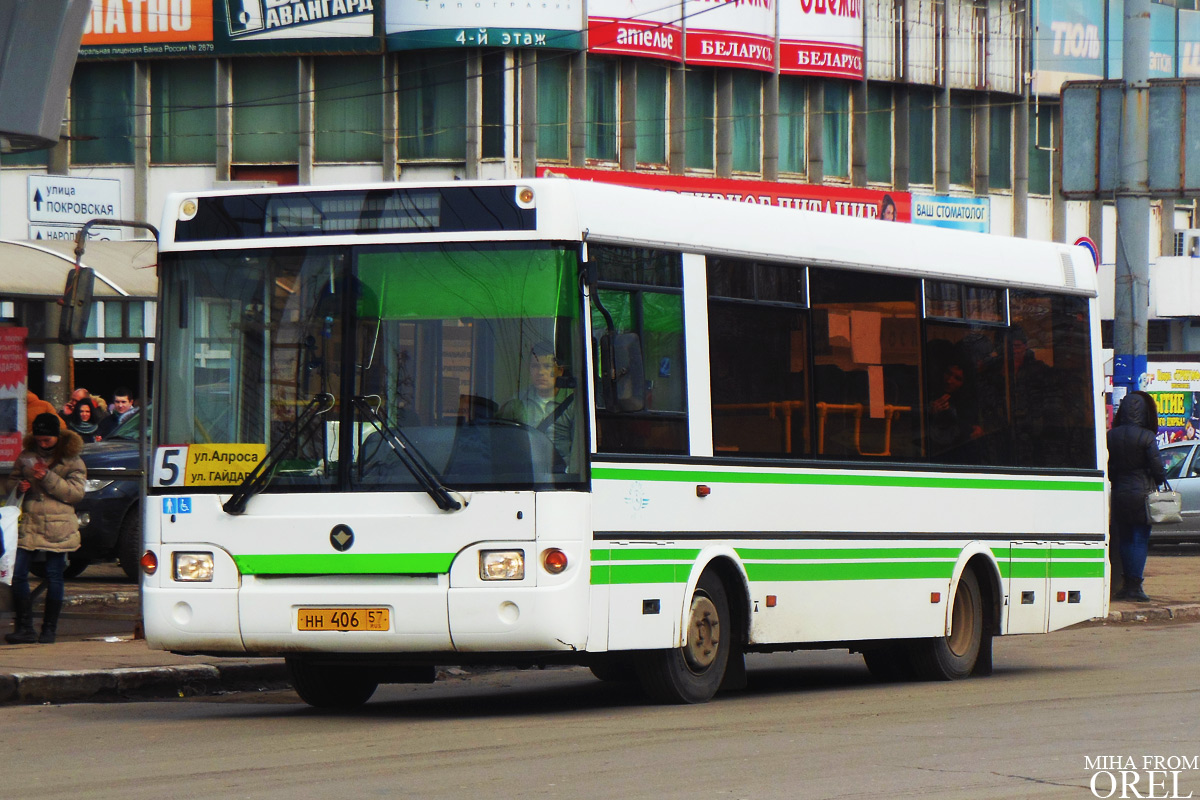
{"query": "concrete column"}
[(941, 140), (814, 132), (627, 125), (528, 82), (141, 142), (391, 110), (858, 134), (56, 386), (981, 119), (677, 123), (224, 137), (579, 109), (307, 111), (474, 114), (724, 145), (770, 132), (1021, 166), (900, 140)]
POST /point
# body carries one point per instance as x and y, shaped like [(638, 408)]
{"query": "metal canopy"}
[(39, 268)]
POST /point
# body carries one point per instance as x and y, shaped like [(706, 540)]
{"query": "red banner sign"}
[(14, 364), (632, 37), (850, 202)]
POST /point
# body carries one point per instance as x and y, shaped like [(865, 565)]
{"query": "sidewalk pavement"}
[(98, 659)]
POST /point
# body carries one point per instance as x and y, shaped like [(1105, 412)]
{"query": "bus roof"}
[(574, 210)]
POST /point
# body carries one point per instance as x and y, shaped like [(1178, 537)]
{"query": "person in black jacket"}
[(1135, 469)]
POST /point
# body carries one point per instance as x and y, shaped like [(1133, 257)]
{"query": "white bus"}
[(547, 421)]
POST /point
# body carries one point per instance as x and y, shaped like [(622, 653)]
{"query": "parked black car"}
[(110, 513)]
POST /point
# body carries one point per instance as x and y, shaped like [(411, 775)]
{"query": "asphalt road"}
[(811, 725)]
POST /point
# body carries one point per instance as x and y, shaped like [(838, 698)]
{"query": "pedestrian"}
[(51, 475), (34, 406), (83, 421), (1135, 469), (122, 408)]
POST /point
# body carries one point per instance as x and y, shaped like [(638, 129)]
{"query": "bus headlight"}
[(197, 567), (502, 565)]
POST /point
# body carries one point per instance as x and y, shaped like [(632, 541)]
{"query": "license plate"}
[(343, 619)]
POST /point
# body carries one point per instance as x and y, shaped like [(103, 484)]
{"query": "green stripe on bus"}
[(345, 564), (871, 571), (842, 553), (640, 573), (830, 479), (645, 554)]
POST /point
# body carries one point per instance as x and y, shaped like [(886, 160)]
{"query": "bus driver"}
[(545, 404)]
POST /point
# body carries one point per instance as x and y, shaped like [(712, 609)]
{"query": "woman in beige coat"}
[(51, 475)]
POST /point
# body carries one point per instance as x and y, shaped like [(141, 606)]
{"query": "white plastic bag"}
[(8, 528)]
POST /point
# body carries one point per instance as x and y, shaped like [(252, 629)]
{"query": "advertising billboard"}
[(821, 37), (865, 203), (636, 28), (152, 28), (1068, 43), (420, 24), (730, 33)]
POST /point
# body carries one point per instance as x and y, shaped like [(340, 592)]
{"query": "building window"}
[(836, 130), (1000, 145), (747, 121), (792, 98), (602, 94), (651, 121), (920, 135), (700, 88), (1043, 120), (495, 72), (102, 114), (879, 133), (265, 111), (183, 117), (553, 105), (433, 106), (349, 109), (962, 139)]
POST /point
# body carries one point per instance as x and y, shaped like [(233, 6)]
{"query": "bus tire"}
[(330, 687), (951, 658), (692, 673), (889, 664)]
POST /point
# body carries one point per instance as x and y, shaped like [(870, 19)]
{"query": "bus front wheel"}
[(692, 673), (324, 686), (952, 657)]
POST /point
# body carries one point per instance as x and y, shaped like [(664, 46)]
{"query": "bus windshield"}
[(464, 357)]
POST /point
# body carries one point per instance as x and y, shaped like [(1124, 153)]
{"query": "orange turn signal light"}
[(703, 491), (149, 563), (554, 560)]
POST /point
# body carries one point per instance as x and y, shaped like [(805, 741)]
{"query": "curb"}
[(129, 683), (1189, 613)]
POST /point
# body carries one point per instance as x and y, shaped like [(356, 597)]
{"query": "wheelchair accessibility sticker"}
[(177, 505)]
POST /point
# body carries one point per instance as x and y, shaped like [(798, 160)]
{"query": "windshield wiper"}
[(411, 457), (260, 476)]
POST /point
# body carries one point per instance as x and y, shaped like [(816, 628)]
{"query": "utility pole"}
[(1133, 204)]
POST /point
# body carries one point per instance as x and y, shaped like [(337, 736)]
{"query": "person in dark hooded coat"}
[(1135, 469)]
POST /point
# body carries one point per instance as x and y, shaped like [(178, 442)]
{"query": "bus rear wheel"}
[(324, 686), (692, 673), (952, 657)]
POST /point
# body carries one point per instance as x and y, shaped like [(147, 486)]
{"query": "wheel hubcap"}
[(962, 621), (703, 634)]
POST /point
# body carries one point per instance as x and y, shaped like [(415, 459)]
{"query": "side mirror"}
[(76, 305), (628, 377)]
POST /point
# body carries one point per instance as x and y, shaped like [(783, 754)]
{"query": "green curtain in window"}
[(700, 99), (433, 105), (1042, 124), (747, 121), (601, 110), (836, 130), (651, 112), (348, 108), (183, 112), (962, 139), (553, 105), (1000, 144), (266, 113), (879, 133), (920, 136), (792, 91), (102, 114)]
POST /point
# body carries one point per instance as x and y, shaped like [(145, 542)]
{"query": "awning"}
[(31, 268)]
